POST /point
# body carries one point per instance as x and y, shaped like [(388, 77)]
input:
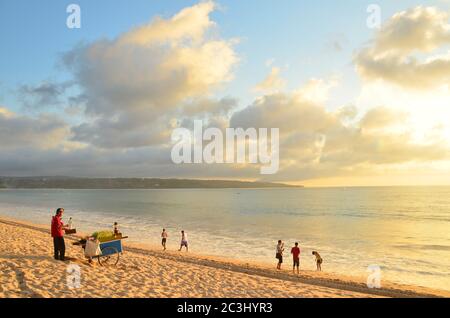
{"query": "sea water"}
[(404, 230)]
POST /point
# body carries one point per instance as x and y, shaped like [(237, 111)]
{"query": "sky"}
[(355, 103)]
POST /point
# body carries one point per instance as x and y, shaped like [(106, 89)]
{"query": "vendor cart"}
[(110, 250)]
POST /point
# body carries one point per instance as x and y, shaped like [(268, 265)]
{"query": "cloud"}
[(382, 117), (136, 88), (5, 113), (316, 142), (134, 85), (86, 162), (43, 95), (43, 132), (317, 90), (272, 83), (210, 107), (390, 56), (189, 24), (289, 112), (421, 29)]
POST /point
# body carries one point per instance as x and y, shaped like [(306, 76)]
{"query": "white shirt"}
[(280, 248)]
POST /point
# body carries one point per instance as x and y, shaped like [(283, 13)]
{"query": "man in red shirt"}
[(58, 228), (295, 251)]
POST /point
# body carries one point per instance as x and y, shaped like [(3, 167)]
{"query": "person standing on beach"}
[(164, 236), (184, 241), (295, 251), (57, 229), (279, 255)]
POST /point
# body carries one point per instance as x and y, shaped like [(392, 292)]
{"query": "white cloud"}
[(391, 55), (315, 142), (272, 83), (135, 84), (190, 24), (317, 90)]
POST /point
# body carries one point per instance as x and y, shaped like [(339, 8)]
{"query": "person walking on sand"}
[(57, 230), (319, 261), (164, 236), (184, 241), (295, 251), (279, 254)]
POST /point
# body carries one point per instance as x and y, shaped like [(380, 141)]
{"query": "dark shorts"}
[(297, 262), (164, 240), (279, 257), (184, 243)]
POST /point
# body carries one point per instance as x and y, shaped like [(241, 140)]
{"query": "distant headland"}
[(130, 183)]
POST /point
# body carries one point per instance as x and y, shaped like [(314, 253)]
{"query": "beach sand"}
[(28, 270)]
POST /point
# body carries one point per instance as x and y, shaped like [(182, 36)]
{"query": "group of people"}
[(184, 241), (295, 251), (58, 228)]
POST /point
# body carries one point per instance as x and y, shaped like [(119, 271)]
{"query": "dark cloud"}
[(42, 96), (44, 131)]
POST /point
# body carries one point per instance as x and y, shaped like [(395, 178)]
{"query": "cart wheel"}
[(111, 258)]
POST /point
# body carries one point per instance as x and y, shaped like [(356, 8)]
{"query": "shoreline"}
[(253, 278)]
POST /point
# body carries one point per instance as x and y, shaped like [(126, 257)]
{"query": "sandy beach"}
[(28, 270)]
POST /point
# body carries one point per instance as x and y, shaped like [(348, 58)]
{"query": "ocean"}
[(404, 230)]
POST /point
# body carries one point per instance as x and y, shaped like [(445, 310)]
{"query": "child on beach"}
[(279, 254), (164, 236), (319, 261), (116, 229), (184, 241)]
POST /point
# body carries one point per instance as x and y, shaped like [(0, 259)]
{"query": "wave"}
[(429, 247)]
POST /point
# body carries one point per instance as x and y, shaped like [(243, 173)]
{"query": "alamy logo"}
[(374, 278), (74, 19), (73, 278), (208, 146), (374, 19)]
